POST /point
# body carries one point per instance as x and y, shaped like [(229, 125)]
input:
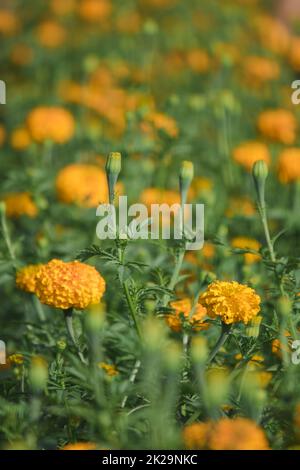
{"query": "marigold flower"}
[(94, 11), (279, 125), (163, 122), (240, 206), (18, 204), (274, 35), (110, 369), (26, 277), (63, 8), (69, 285), (80, 446), (2, 135), (51, 123), (183, 308), (8, 22), (260, 69), (198, 60), (248, 153), (289, 165), (243, 243), (82, 184), (20, 139), (51, 34), (195, 436), (294, 54), (231, 301), (237, 434), (159, 196)]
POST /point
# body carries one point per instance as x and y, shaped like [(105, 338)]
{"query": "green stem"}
[(222, 339), (7, 239), (263, 215), (131, 307), (69, 324)]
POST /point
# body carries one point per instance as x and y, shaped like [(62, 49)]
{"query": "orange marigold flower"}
[(8, 22), (289, 165), (274, 35), (279, 125), (110, 369), (51, 123), (2, 135), (51, 34), (231, 301), (240, 206), (243, 243), (183, 308), (159, 196), (260, 69), (26, 277), (248, 153), (94, 11), (294, 53), (198, 60), (163, 122), (195, 436), (237, 434), (69, 285), (80, 446), (18, 204), (82, 184), (20, 139)]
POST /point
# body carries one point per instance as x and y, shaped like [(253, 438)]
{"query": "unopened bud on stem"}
[(112, 168)]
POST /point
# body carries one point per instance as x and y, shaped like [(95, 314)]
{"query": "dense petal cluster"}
[(84, 185), (69, 284), (51, 123), (231, 301), (183, 313), (289, 165), (26, 277)]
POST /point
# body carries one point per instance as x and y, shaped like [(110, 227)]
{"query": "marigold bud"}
[(260, 174)]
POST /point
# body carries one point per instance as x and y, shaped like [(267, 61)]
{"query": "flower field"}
[(130, 343)]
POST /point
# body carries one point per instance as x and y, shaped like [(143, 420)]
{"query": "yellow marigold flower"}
[(18, 204), (8, 22), (231, 301), (51, 123), (110, 369), (82, 184), (94, 11), (278, 347), (67, 285), (248, 153), (20, 139), (278, 124), (16, 359), (245, 243), (51, 34), (195, 436), (237, 434), (80, 446), (289, 165), (183, 308), (240, 206), (260, 69), (26, 277), (2, 135)]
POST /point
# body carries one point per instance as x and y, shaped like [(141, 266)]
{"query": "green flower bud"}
[(112, 168), (260, 174), (186, 176), (61, 344), (38, 373)]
